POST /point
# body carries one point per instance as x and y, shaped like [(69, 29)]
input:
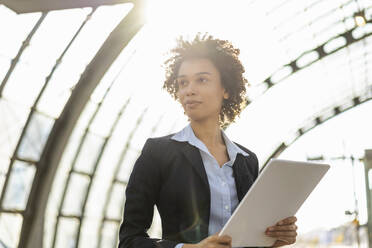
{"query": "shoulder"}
[(245, 149), (251, 154), (159, 143), (156, 153), (160, 147)]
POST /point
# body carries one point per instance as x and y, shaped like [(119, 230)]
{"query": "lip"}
[(190, 103)]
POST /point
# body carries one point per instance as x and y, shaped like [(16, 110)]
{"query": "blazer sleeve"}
[(141, 194)]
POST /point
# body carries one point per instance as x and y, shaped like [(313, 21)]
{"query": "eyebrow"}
[(199, 73)]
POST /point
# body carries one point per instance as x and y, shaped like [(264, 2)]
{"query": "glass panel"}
[(282, 73), (89, 153), (155, 229), (59, 184), (90, 40), (334, 44), (35, 137), (96, 198), (116, 68), (38, 59), (12, 121), (152, 119), (4, 67), (143, 131), (59, 87), (67, 231), (106, 116), (76, 190), (54, 98), (86, 115), (89, 232), (110, 157), (10, 229), (13, 35), (2, 181), (307, 59), (127, 165), (65, 165), (172, 121), (24, 84), (4, 165), (19, 186), (350, 8), (128, 122), (52, 37), (110, 234), (116, 202)]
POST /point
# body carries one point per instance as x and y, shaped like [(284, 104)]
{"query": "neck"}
[(208, 132)]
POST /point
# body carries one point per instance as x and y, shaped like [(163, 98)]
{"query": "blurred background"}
[(81, 91)]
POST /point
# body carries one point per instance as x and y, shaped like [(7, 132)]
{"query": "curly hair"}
[(224, 57)]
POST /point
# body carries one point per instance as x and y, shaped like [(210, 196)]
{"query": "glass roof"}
[(316, 57)]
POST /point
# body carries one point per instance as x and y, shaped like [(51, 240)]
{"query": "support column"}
[(368, 176)]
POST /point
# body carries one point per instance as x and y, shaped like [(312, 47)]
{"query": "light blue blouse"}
[(224, 198)]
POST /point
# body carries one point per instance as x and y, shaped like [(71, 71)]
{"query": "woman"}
[(197, 176)]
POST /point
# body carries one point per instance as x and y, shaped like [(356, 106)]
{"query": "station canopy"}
[(81, 91)]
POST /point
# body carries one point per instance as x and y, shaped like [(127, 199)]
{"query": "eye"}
[(181, 82), (202, 79)]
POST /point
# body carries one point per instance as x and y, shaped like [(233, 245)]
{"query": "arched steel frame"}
[(33, 222), (322, 117)]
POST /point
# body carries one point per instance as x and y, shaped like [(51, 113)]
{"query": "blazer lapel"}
[(193, 156), (243, 179)]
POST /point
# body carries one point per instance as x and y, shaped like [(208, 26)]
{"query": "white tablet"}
[(278, 192)]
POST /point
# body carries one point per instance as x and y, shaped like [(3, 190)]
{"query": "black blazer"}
[(170, 174)]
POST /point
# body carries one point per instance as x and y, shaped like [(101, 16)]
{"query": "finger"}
[(282, 228), (213, 238), (284, 241), (286, 221), (222, 245), (218, 245), (225, 239), (290, 240), (279, 243), (281, 234)]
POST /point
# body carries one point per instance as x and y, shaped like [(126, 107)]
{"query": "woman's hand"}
[(213, 241), (284, 231)]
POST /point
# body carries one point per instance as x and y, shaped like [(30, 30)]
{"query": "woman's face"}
[(200, 90)]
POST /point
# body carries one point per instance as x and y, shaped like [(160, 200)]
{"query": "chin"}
[(193, 117), (196, 118)]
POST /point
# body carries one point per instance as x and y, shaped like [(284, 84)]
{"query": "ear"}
[(225, 95)]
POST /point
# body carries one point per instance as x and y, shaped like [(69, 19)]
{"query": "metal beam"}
[(320, 52), (20, 6), (351, 102), (368, 180)]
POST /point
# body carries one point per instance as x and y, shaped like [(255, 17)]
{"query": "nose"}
[(190, 89)]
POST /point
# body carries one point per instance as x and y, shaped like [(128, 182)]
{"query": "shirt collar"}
[(187, 135)]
